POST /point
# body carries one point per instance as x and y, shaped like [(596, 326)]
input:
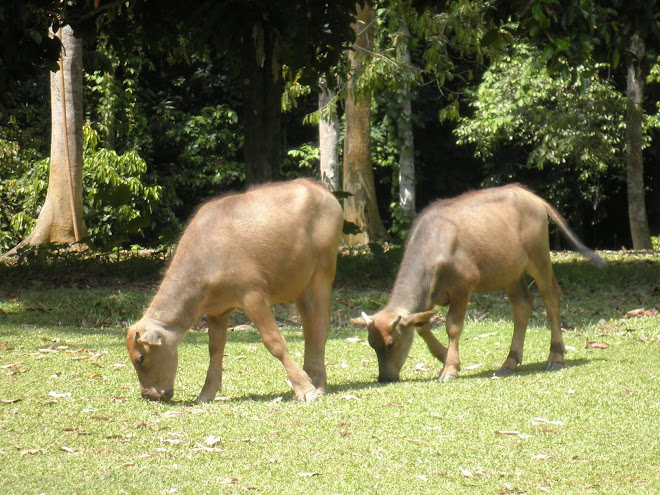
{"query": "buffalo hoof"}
[(203, 400), (504, 372), (447, 378), (555, 366), (312, 396)]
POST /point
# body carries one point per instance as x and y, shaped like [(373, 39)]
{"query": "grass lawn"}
[(72, 420)]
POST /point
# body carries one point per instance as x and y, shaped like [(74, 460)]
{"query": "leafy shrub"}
[(117, 199)]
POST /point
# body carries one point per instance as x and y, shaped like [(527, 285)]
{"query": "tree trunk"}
[(405, 129), (329, 139), (639, 226), (262, 107), (361, 208), (64, 196)]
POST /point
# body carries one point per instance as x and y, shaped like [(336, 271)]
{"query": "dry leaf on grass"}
[(57, 395), (596, 345), (211, 440)]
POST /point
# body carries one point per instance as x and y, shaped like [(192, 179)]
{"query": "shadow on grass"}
[(525, 370)]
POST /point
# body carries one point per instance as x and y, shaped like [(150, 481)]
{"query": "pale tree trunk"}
[(328, 138), (64, 196), (361, 208), (405, 129), (639, 225)]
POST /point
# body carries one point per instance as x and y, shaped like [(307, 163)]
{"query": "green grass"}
[(72, 421)]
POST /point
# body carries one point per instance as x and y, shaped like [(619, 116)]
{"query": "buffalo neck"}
[(175, 307), (412, 290)]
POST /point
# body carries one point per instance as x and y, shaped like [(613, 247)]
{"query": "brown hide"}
[(481, 240), (272, 244)]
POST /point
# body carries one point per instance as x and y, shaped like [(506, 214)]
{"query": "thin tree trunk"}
[(639, 226), (361, 208), (63, 204), (262, 108), (329, 139), (405, 129)]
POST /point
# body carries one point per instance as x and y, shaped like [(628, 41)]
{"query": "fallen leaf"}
[(467, 473), (5, 347), (212, 440), (353, 339), (596, 345), (228, 481), (349, 397), (309, 475), (68, 450), (12, 365), (172, 414), (542, 421), (507, 432), (57, 395), (25, 452), (10, 401), (474, 366), (635, 312)]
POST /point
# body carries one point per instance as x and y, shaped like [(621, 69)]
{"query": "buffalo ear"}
[(150, 337), (417, 319), (359, 322), (363, 321)]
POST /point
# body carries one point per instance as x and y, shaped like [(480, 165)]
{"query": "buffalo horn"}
[(366, 318)]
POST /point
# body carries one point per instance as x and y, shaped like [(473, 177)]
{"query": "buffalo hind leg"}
[(217, 340), (521, 306), (258, 310), (314, 308), (550, 292)]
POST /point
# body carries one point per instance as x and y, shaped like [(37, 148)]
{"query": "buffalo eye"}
[(390, 345), (139, 361)]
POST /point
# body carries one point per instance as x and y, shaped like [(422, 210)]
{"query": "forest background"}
[(476, 94)]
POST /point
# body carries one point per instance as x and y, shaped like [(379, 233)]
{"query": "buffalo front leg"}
[(438, 350), (521, 306), (314, 308), (217, 340), (259, 312), (454, 323)]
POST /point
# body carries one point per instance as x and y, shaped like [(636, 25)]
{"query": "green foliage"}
[(293, 89), (115, 97), (22, 186), (305, 157), (520, 101), (401, 222), (570, 32), (118, 200), (521, 109), (205, 146)]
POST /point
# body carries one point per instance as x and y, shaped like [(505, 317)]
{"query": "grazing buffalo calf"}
[(272, 244), (479, 241)]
